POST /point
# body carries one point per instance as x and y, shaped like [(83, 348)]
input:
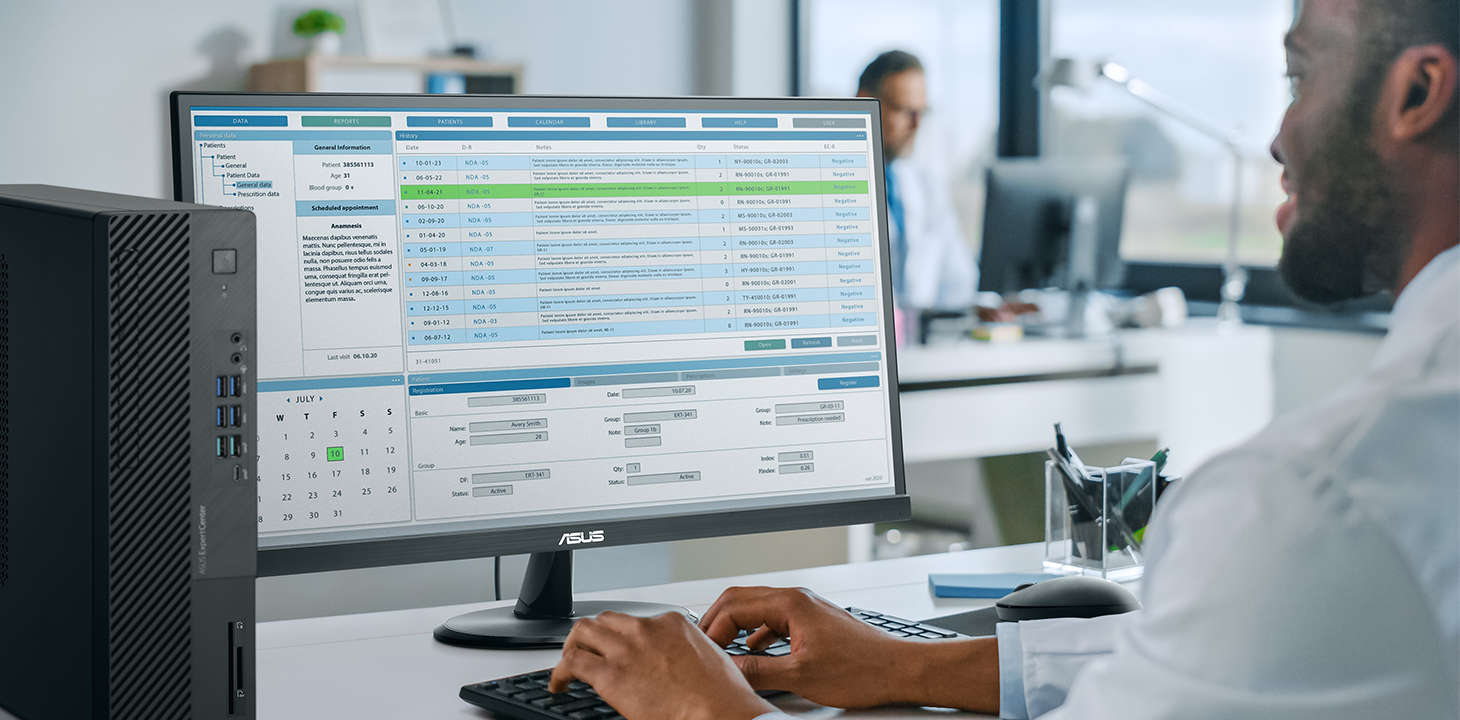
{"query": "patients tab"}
[(448, 121), (241, 120), (738, 122), (547, 121)]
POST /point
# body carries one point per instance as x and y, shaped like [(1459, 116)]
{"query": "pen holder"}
[(1095, 525)]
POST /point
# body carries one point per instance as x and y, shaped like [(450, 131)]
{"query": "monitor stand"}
[(545, 610)]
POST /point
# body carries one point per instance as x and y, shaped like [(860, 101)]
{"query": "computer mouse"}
[(1075, 596)]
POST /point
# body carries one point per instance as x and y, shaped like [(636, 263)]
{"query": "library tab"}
[(645, 122)]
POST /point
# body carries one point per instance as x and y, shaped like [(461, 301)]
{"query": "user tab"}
[(241, 121), (547, 121), (646, 122), (807, 122), (343, 121), (738, 122), (448, 121)]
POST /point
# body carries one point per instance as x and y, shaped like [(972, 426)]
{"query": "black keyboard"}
[(526, 697)]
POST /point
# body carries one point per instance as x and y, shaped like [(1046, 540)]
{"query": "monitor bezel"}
[(434, 547)]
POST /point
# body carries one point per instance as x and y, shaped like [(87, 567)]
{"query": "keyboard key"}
[(533, 694), (554, 701), (576, 705), (778, 650), (590, 714)]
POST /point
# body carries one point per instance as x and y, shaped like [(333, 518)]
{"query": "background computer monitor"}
[(1031, 235), (494, 325)]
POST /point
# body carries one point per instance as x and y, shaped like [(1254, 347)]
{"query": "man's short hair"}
[(1389, 28), (887, 64)]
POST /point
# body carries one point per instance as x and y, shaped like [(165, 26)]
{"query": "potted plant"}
[(323, 28)]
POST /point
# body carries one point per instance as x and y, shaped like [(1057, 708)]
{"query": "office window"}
[(1223, 60), (958, 44)]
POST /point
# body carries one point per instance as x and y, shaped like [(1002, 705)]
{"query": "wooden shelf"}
[(345, 73)]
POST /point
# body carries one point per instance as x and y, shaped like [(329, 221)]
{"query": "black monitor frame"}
[(548, 537), (1027, 221)]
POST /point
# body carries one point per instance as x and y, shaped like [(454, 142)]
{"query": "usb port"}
[(235, 386), (222, 447), (221, 417), (235, 445), (222, 386), (235, 415)]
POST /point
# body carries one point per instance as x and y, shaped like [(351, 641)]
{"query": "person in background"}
[(932, 266), (1313, 572)]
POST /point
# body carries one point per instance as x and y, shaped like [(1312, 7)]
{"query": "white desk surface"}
[(387, 665)]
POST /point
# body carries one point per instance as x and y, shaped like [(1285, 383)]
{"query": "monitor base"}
[(545, 610), (503, 628)]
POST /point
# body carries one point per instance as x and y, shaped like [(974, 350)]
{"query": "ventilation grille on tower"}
[(4, 421), (149, 527)]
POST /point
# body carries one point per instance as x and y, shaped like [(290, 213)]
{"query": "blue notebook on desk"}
[(980, 585)]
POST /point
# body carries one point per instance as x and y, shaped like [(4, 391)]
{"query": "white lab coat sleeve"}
[(1039, 659), (1268, 595), (939, 271), (778, 715), (1011, 673), (958, 277)]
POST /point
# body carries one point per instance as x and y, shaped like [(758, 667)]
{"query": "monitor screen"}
[(515, 312)]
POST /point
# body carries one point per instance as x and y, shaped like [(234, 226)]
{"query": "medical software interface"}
[(488, 318)]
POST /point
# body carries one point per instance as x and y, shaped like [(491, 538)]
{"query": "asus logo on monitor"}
[(581, 538)]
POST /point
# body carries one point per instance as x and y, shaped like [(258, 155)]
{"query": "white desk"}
[(1198, 389), (386, 665)]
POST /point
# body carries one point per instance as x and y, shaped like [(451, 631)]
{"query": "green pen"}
[(1146, 476)]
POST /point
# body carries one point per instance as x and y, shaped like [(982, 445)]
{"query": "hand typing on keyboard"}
[(660, 667), (838, 660)]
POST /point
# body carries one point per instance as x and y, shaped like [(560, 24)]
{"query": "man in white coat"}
[(1312, 573), (932, 266)]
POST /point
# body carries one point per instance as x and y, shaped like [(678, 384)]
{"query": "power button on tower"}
[(225, 262)]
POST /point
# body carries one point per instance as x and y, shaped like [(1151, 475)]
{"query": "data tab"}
[(241, 121)]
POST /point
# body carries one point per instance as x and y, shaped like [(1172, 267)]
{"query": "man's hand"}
[(840, 661), (1008, 312), (660, 667)]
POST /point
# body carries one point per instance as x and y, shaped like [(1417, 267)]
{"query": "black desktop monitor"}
[(1032, 225), (493, 325)]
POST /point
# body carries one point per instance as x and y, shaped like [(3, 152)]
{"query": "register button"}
[(842, 383)]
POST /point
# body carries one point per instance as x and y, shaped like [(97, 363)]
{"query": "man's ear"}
[(1418, 94)]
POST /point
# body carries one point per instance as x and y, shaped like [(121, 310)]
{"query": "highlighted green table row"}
[(560, 190)]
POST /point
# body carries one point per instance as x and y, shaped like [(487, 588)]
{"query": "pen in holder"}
[(1095, 518)]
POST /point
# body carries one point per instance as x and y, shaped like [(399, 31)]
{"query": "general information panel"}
[(479, 319)]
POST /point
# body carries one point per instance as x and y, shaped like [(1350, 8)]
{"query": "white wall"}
[(1310, 364), (84, 92), (83, 103)]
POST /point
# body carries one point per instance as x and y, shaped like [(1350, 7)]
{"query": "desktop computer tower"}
[(127, 492)]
